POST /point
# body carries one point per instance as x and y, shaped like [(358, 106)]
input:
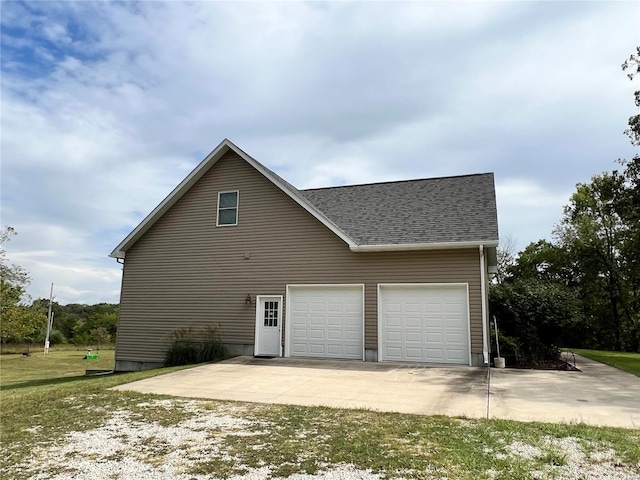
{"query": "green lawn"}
[(629, 362), (50, 412), (59, 365)]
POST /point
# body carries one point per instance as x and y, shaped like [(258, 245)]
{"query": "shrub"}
[(56, 337), (508, 347), (537, 317), (81, 339), (189, 346)]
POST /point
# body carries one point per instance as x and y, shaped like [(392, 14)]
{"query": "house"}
[(394, 271)]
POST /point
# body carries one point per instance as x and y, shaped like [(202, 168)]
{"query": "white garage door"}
[(325, 321), (424, 323)]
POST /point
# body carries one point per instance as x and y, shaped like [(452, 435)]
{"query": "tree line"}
[(24, 321), (82, 324), (582, 287)]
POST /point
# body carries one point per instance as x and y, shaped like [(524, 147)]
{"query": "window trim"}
[(237, 208)]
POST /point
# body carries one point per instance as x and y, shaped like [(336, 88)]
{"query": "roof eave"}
[(423, 246)]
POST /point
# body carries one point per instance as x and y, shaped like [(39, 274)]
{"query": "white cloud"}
[(107, 106), (528, 210)]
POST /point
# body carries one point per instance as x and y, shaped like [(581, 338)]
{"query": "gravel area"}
[(124, 448), (127, 447), (572, 461)]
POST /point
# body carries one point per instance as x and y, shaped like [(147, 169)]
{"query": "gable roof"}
[(198, 172), (434, 211), (450, 212)]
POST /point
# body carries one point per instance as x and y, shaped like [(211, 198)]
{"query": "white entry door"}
[(268, 325)]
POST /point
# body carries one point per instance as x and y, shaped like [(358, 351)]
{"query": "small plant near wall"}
[(190, 345)]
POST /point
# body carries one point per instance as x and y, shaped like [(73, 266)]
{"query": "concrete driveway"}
[(598, 395)]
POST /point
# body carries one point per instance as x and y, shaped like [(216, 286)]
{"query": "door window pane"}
[(270, 314)]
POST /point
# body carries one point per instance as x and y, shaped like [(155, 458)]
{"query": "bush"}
[(82, 339), (56, 337), (190, 346), (508, 347), (536, 317)]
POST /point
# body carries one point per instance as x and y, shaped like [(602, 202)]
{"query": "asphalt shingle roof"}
[(433, 210)]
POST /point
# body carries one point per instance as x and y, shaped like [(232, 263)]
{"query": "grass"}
[(59, 366), (627, 361), (44, 400), (19, 348)]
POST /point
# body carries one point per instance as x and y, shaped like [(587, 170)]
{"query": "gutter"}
[(422, 246), (483, 288)]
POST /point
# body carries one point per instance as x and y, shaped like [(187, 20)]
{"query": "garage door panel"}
[(393, 307), (334, 335), (393, 353), (455, 338), (434, 355), (454, 355), (424, 323), (433, 322), (353, 352), (413, 322), (413, 308), (299, 319), (335, 307), (435, 337), (299, 307), (393, 321), (433, 308), (334, 320), (392, 336), (300, 348), (299, 333), (413, 337), (414, 354), (353, 321), (315, 334), (317, 307), (353, 335)]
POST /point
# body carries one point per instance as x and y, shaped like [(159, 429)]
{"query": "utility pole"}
[(49, 322)]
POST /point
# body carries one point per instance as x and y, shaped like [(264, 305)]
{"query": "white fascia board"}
[(196, 174), (421, 246)]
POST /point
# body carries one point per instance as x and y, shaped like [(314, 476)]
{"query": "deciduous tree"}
[(19, 321)]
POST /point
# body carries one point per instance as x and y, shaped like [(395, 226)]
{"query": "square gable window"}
[(227, 208)]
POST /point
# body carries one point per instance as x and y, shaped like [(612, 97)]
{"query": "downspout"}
[(483, 289)]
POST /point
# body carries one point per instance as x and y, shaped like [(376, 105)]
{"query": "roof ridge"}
[(409, 180)]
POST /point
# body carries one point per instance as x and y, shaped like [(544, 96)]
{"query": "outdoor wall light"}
[(248, 299)]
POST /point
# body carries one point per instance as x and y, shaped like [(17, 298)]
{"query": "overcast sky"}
[(106, 107)]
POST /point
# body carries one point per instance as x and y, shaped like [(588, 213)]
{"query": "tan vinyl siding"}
[(185, 271)]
